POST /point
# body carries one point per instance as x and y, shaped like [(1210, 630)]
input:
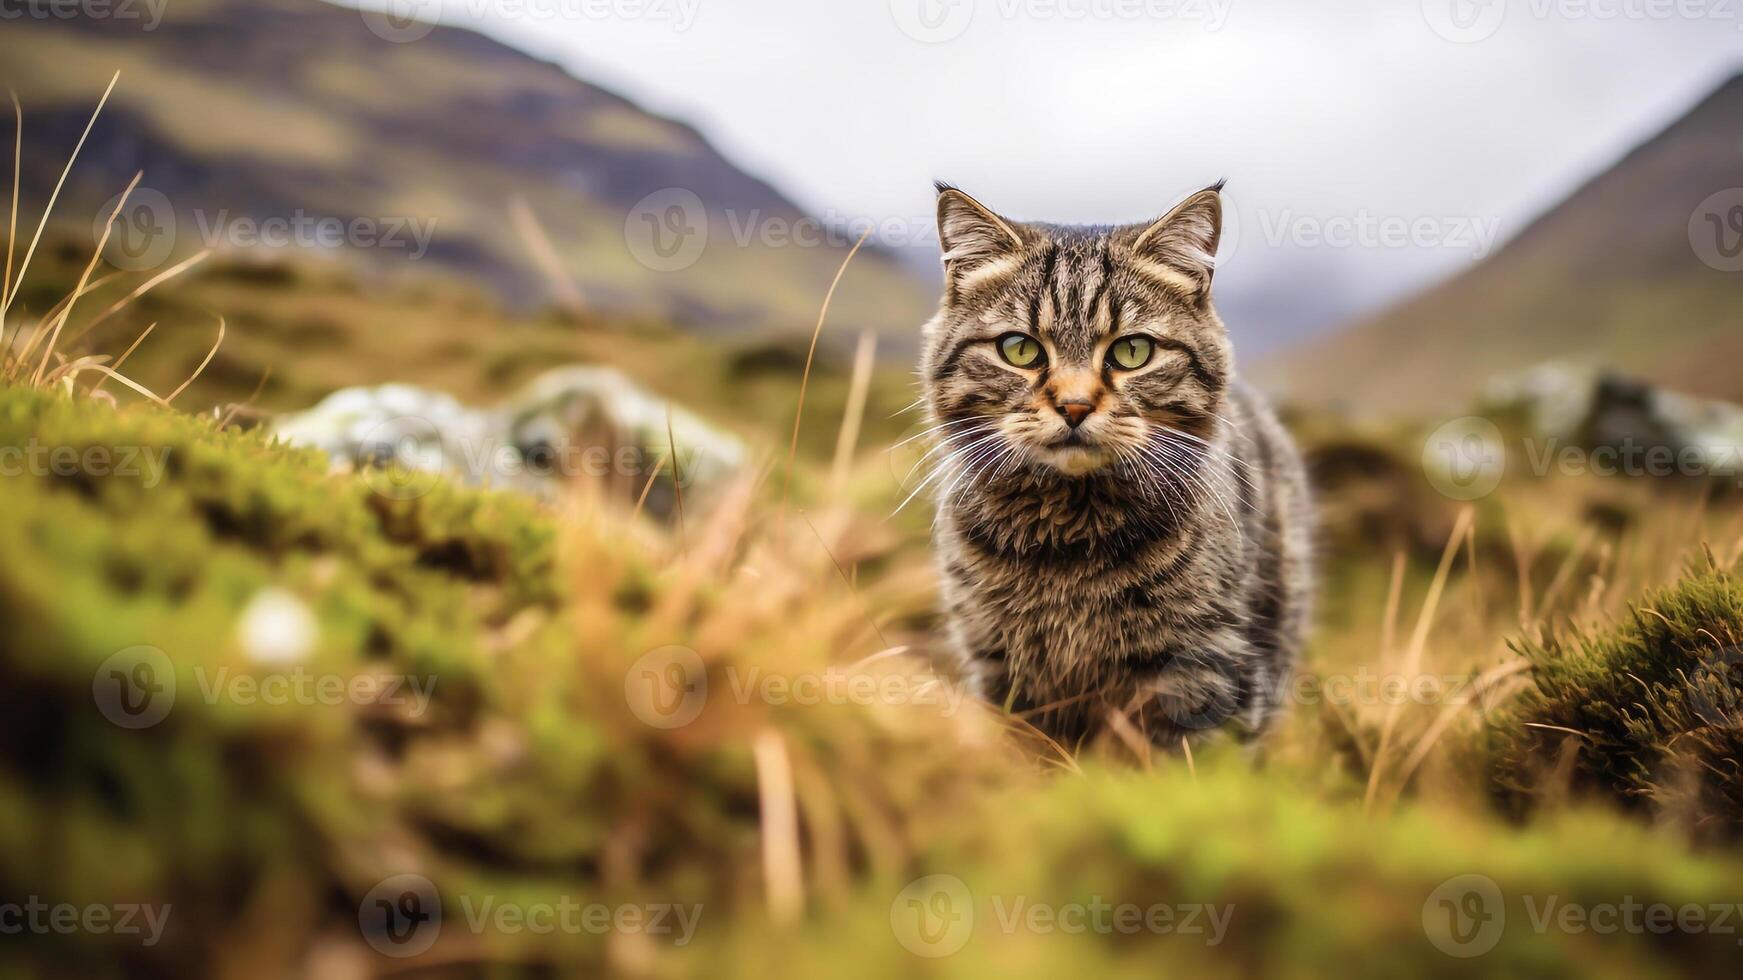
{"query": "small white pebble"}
[(277, 628)]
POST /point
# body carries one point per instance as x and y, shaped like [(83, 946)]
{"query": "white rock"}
[(277, 628)]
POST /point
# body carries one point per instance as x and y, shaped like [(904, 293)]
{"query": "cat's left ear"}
[(977, 243), (1179, 249)]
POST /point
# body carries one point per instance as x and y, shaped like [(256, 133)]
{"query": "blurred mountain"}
[(259, 122), (1641, 269)]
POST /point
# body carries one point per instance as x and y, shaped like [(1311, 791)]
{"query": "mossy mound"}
[(474, 728), (1649, 712), (1236, 873)]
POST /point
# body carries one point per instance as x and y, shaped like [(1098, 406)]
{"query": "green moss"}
[(1647, 712), (1305, 889)]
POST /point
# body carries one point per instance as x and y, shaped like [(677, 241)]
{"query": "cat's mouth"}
[(1076, 455), (1072, 437)]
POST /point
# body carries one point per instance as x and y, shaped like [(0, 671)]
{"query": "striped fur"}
[(1155, 560)]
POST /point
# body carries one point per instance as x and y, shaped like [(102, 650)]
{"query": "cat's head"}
[(1077, 346)]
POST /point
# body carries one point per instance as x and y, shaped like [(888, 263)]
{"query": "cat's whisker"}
[(1174, 473), (905, 409), (991, 472), (1196, 459), (945, 443), (947, 499), (1237, 465), (935, 428), (1130, 464), (950, 439), (1162, 477), (969, 467), (944, 466), (1198, 442), (1189, 469), (995, 465), (1195, 475), (1019, 455), (1234, 431), (939, 427)]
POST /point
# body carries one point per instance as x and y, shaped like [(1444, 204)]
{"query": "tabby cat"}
[(1123, 528)]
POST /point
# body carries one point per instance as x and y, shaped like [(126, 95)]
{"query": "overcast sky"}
[(1450, 122)]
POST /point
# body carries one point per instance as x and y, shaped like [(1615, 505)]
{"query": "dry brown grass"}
[(40, 362)]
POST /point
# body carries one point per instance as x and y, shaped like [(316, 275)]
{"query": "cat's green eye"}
[(1131, 353), (1021, 350)]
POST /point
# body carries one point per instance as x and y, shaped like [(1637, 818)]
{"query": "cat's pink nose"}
[(1075, 412)]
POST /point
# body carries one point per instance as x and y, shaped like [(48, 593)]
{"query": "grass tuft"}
[(1648, 712)]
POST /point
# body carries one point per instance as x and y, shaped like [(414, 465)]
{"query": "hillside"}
[(241, 111), (1610, 277)]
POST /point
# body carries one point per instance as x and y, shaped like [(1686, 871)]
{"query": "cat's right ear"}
[(978, 244)]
